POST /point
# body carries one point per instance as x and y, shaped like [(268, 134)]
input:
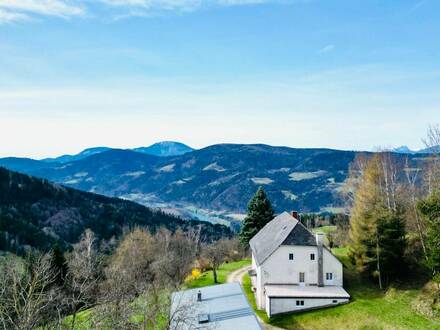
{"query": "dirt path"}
[(237, 276)]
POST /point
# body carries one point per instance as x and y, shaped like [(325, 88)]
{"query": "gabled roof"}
[(300, 235), (275, 233)]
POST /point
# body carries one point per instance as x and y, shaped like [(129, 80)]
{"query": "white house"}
[(292, 270)]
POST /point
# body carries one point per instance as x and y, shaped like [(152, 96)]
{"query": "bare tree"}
[(129, 276), (83, 275), (26, 295), (175, 255), (432, 170), (412, 195), (216, 253)]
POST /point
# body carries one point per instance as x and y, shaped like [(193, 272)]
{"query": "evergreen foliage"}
[(377, 231), (59, 264), (429, 208), (36, 214), (260, 212)]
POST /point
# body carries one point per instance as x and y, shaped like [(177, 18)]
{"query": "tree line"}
[(123, 284), (395, 214)]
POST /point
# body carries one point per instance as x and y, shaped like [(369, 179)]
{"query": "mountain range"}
[(36, 213), (407, 150), (214, 183), (162, 149)]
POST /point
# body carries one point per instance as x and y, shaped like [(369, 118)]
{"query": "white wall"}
[(333, 265), (284, 305), (278, 269)]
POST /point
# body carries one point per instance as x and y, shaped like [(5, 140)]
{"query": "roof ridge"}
[(272, 235)]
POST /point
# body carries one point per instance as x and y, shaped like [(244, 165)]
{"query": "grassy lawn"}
[(369, 309), (325, 229), (207, 278), (82, 321)]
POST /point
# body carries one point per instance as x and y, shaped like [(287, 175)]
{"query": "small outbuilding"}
[(222, 307)]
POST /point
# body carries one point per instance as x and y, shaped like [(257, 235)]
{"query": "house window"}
[(301, 277), (312, 256), (290, 256), (335, 301), (329, 276), (300, 303)]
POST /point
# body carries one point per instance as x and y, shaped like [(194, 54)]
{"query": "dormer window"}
[(290, 256)]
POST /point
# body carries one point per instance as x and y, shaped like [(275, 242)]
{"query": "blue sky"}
[(316, 73)]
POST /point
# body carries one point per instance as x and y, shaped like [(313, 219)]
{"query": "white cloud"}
[(327, 49), (18, 10), (8, 17), (146, 7)]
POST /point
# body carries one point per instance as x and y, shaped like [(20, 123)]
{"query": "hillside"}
[(220, 178), (37, 213)]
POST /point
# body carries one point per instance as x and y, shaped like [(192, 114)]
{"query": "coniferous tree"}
[(59, 263), (260, 212), (377, 231), (429, 208)]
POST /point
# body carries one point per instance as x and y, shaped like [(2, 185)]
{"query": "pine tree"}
[(260, 212), (60, 263), (429, 208), (377, 231)]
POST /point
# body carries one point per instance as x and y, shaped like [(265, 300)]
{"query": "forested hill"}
[(37, 213), (220, 178)]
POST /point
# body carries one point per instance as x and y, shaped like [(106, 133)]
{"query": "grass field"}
[(207, 278), (369, 309)]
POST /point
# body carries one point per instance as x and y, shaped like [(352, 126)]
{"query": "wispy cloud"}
[(327, 49), (8, 17), (18, 10)]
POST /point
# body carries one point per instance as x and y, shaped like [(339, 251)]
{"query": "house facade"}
[(292, 270)]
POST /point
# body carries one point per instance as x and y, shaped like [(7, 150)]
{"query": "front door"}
[(302, 279)]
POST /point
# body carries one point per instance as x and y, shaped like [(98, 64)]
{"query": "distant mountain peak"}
[(165, 148), (404, 150)]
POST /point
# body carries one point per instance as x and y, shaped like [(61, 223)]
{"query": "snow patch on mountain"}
[(134, 174), (262, 180), (167, 168), (299, 176), (214, 167)]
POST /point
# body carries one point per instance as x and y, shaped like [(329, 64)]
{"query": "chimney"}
[(320, 243), (199, 296), (294, 214)]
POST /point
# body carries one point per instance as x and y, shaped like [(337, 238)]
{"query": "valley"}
[(211, 184)]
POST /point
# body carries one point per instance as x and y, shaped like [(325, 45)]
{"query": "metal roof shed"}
[(222, 307)]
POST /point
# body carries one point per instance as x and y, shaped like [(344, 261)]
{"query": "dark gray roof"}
[(300, 235), (271, 236)]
